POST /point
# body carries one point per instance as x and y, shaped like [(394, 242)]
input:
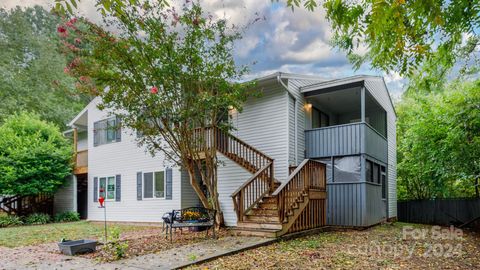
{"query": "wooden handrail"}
[(309, 174), (260, 184), (253, 190), (251, 179), (292, 175)]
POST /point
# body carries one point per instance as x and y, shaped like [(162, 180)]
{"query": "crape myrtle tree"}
[(168, 73)]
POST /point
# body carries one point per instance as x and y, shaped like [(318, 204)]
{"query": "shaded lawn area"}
[(54, 232), (379, 247)]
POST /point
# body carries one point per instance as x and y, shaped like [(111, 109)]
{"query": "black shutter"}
[(119, 130), (96, 133), (95, 189), (168, 191), (139, 186), (118, 187)]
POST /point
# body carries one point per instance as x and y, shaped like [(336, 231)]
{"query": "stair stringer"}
[(292, 218)]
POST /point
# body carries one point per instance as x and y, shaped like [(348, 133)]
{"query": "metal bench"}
[(189, 217)]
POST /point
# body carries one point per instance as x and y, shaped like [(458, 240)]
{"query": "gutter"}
[(279, 80)]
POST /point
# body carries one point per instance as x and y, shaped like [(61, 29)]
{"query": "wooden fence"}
[(458, 212)]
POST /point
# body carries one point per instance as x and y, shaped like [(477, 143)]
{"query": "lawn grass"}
[(41, 234)]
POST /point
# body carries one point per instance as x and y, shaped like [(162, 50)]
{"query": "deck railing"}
[(344, 140), (308, 175), (81, 159)]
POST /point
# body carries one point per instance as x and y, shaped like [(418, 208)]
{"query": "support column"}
[(362, 103)]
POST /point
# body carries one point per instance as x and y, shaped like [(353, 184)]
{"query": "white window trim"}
[(106, 187), (153, 190)]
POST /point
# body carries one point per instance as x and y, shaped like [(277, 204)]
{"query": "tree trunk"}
[(203, 198)]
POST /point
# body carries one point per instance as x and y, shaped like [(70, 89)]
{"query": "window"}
[(106, 131), (111, 130), (376, 173), (106, 187), (346, 169), (368, 171), (319, 118), (154, 185), (383, 177)]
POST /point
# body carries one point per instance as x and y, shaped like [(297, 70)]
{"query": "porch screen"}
[(346, 169), (328, 162)]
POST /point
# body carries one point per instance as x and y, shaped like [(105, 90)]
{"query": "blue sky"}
[(283, 40)]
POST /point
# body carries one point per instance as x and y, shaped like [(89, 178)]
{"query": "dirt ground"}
[(388, 246)]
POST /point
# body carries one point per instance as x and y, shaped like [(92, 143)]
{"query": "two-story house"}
[(300, 130)]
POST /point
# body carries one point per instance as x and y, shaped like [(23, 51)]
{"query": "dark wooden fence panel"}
[(440, 211)]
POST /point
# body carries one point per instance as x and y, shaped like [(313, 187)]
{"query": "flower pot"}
[(77, 247)]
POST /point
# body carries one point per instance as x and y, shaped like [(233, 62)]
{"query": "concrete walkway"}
[(46, 257), (189, 254)]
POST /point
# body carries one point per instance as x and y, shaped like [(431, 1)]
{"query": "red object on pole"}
[(101, 200)]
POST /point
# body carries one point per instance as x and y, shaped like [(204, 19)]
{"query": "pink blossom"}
[(66, 70), (61, 29), (154, 90), (78, 41)]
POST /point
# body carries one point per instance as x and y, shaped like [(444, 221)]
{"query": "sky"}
[(283, 40)]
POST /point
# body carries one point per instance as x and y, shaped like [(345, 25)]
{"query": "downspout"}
[(279, 80)]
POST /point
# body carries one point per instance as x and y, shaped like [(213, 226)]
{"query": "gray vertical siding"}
[(345, 204), (375, 144), (333, 141), (344, 140), (375, 211), (377, 89), (354, 204)]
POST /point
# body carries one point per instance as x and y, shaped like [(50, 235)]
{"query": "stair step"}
[(267, 206), (255, 232), (263, 212), (262, 219), (255, 225)]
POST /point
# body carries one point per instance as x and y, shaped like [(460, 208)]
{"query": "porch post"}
[(362, 103)]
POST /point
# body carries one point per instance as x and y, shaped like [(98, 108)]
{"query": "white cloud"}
[(287, 41)]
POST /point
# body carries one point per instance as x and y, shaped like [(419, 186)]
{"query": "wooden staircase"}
[(264, 206), (296, 205)]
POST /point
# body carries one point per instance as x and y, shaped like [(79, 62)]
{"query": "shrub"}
[(115, 248), (35, 157), (9, 221), (37, 218), (68, 216)]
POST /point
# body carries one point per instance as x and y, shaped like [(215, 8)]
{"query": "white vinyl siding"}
[(294, 87), (125, 158), (230, 177), (263, 124), (65, 198), (189, 196)]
